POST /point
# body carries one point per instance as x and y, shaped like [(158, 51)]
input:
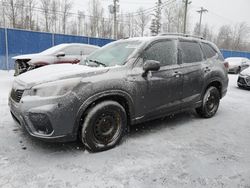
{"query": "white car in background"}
[(71, 53), (244, 79), (237, 64)]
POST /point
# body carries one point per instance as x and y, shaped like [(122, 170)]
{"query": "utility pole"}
[(115, 18), (201, 11), (113, 9), (185, 15)]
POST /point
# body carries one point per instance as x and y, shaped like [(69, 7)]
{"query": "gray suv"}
[(124, 83)]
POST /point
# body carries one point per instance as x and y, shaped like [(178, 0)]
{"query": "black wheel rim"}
[(211, 102), (107, 128)]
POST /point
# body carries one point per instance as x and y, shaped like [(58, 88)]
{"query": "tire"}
[(238, 71), (104, 126), (210, 103)]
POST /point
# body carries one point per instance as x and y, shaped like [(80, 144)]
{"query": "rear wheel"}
[(104, 126), (210, 103)]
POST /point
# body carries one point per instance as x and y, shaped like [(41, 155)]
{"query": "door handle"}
[(207, 69), (177, 74)]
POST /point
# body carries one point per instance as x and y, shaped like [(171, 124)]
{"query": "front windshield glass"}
[(53, 50), (114, 54)]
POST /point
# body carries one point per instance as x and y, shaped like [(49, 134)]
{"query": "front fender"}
[(100, 95)]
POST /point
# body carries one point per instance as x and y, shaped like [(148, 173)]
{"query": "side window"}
[(88, 50), (208, 50), (72, 50), (163, 51), (190, 52)]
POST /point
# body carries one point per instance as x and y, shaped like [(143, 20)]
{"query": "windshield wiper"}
[(97, 62)]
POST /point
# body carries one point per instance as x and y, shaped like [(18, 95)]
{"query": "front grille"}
[(16, 95)]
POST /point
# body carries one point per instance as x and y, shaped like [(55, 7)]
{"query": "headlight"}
[(243, 75), (57, 88)]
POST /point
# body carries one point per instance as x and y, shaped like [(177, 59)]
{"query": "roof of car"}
[(80, 44), (165, 36)]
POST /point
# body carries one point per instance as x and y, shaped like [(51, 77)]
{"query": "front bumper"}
[(244, 81), (50, 119)]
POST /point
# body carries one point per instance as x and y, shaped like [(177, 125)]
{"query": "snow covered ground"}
[(178, 151)]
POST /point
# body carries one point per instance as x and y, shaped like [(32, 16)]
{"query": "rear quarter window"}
[(208, 50), (190, 51), (72, 50)]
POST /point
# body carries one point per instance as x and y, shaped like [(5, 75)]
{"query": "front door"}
[(159, 92)]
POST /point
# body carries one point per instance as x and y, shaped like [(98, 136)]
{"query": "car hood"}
[(26, 56), (56, 72), (246, 72)]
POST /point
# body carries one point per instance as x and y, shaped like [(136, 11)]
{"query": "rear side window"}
[(88, 50), (163, 51), (73, 50), (190, 52), (208, 50)]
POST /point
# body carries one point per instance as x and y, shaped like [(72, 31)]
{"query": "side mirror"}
[(150, 65), (60, 54)]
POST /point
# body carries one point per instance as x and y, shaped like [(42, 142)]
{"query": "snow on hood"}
[(55, 72), (246, 72), (26, 56)]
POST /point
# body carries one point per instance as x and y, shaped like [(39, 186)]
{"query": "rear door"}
[(192, 68)]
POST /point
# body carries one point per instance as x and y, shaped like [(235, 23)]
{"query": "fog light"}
[(41, 123)]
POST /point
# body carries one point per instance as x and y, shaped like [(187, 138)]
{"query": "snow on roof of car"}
[(236, 59), (150, 38)]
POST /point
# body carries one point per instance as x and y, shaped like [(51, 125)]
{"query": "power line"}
[(50, 11), (151, 9)]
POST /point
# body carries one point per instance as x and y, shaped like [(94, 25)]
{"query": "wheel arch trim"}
[(99, 96)]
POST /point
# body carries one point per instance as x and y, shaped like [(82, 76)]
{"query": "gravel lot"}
[(178, 151)]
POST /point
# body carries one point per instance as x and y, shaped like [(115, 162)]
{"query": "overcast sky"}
[(219, 11)]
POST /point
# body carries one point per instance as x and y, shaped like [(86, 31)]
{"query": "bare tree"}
[(106, 25), (54, 14), (173, 18), (96, 14), (80, 20), (142, 20), (12, 11), (170, 16), (66, 8), (2, 15), (224, 38), (240, 33), (30, 10), (45, 6)]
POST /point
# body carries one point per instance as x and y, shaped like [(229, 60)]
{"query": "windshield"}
[(53, 50), (114, 54)]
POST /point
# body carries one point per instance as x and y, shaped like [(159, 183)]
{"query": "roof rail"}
[(181, 34)]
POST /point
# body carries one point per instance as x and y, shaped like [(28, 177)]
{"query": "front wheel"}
[(104, 126), (210, 103)]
